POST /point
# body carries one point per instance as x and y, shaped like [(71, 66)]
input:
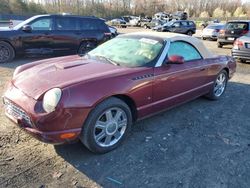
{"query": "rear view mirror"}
[(176, 59), (27, 28)]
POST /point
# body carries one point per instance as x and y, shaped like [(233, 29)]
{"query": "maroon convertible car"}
[(97, 97)]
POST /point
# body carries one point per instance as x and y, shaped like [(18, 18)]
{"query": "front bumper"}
[(61, 126)]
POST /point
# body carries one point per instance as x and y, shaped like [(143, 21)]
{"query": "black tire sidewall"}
[(84, 45), (189, 33), (87, 134), (11, 50)]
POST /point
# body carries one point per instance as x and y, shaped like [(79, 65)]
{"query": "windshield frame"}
[(28, 21)]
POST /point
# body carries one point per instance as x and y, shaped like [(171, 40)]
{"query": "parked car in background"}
[(180, 15), (163, 16), (152, 23), (96, 98), (119, 22), (232, 31), (212, 31), (178, 26), (241, 49), (53, 35)]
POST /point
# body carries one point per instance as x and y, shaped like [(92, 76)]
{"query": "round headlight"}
[(51, 99)]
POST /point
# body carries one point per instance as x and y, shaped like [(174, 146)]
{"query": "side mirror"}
[(175, 59), (27, 28)]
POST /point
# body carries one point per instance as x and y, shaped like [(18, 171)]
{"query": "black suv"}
[(232, 31), (179, 26), (53, 34)]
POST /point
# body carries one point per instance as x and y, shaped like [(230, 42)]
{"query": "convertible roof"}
[(177, 37)]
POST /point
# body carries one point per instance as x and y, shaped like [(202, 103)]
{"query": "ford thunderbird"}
[(97, 97)]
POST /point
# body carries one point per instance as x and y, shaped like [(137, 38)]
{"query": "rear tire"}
[(242, 61), (219, 86), (85, 47), (104, 130), (219, 45), (7, 52), (189, 33)]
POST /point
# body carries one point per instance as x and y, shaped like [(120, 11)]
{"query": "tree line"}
[(115, 8)]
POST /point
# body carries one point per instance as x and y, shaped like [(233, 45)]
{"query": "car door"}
[(175, 28), (38, 40), (177, 83), (67, 35), (184, 27)]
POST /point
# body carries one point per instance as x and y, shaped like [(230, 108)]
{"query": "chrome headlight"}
[(51, 99)]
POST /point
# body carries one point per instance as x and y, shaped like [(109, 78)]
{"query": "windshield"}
[(128, 52), (169, 23), (26, 22)]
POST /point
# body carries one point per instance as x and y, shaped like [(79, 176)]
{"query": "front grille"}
[(16, 111)]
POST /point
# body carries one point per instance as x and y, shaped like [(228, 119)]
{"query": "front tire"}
[(7, 52), (107, 126), (219, 86)]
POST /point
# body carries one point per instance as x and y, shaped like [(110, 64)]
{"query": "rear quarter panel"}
[(217, 64)]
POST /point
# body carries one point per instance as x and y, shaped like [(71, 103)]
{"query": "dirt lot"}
[(200, 144)]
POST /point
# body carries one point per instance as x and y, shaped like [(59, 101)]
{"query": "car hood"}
[(5, 29), (62, 72)]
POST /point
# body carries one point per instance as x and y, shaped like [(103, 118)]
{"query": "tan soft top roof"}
[(177, 37)]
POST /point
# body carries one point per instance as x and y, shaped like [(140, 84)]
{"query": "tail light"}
[(238, 43), (107, 34), (222, 32), (244, 32)]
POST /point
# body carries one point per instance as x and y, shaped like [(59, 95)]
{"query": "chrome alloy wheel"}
[(220, 84), (110, 127)]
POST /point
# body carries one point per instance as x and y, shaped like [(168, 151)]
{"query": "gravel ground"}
[(199, 144)]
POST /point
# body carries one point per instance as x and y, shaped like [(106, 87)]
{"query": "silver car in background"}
[(212, 31), (241, 49)]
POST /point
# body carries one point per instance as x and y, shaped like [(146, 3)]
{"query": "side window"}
[(185, 50), (92, 24), (64, 23), (185, 24), (101, 25), (88, 24), (191, 23), (42, 24), (176, 24)]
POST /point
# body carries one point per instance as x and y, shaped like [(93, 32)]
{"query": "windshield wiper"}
[(107, 59)]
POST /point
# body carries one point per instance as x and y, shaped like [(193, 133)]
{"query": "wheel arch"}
[(127, 100), (227, 70), (130, 102)]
